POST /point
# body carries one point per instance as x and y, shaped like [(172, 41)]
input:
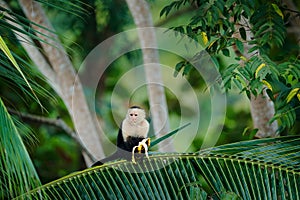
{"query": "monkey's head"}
[(135, 115)]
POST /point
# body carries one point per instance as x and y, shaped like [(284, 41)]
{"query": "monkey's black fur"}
[(130, 141), (124, 149), (126, 145), (135, 107)]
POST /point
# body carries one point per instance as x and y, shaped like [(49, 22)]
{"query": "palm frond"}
[(258, 169), (20, 25), (75, 7), (11, 78), (166, 136), (8, 54), (14, 22), (17, 172)]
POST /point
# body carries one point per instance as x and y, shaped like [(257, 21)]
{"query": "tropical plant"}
[(18, 78), (257, 169), (18, 174), (266, 168), (253, 28)]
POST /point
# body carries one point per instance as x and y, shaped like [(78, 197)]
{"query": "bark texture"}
[(64, 75), (158, 105), (262, 108)]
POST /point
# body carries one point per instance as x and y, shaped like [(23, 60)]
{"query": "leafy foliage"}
[(17, 171), (268, 26), (261, 26), (75, 7), (19, 75), (264, 169)]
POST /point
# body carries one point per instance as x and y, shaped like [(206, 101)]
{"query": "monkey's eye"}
[(135, 114), (131, 114)]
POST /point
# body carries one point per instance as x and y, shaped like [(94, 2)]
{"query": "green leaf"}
[(277, 10), (229, 3), (238, 84), (7, 52), (18, 174), (243, 33), (178, 67), (292, 93), (286, 115), (253, 133), (226, 52), (158, 140), (78, 8), (165, 11), (239, 45), (263, 168), (252, 49), (187, 69), (268, 26)]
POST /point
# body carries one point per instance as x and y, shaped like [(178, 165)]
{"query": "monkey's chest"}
[(134, 131)]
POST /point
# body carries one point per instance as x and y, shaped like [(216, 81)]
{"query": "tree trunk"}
[(70, 87), (158, 105), (262, 111), (262, 108)]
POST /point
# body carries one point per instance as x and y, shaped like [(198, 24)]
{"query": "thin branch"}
[(58, 122), (174, 15), (295, 20)]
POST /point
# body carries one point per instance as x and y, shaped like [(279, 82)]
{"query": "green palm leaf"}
[(258, 169), (16, 169), (7, 52)]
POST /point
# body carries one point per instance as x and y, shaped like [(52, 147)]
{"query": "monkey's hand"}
[(141, 148)]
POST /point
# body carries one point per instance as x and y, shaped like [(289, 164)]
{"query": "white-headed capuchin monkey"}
[(132, 133)]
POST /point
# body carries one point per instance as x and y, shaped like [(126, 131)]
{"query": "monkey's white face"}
[(135, 124), (135, 115)]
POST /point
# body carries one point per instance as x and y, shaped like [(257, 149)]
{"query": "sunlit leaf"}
[(292, 93), (204, 38), (259, 68), (277, 10), (269, 86), (7, 52)]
